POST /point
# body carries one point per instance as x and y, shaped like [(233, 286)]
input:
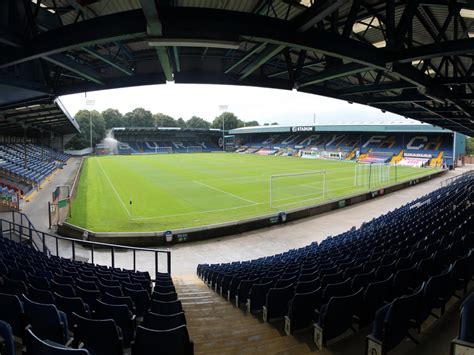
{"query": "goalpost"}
[(194, 149), (290, 189), (163, 150), (372, 174)]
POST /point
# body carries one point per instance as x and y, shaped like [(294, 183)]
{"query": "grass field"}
[(189, 190)]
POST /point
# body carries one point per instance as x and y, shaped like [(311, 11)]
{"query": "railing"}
[(455, 179), (21, 221), (62, 246)]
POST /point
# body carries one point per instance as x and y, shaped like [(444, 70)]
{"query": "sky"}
[(247, 103)]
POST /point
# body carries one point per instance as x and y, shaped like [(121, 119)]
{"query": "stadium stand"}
[(108, 310), (413, 258), (27, 165), (164, 140), (409, 145), (24, 168)]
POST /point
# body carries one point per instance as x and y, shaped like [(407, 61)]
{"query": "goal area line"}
[(291, 176)]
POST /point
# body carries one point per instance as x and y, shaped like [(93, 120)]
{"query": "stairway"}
[(217, 327)]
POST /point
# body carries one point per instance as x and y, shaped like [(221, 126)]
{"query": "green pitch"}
[(174, 191)]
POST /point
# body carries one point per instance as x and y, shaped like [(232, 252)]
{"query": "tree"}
[(82, 140), (139, 117), (113, 118), (162, 120), (230, 121), (266, 124), (251, 124), (197, 122), (274, 123), (470, 146), (181, 122)]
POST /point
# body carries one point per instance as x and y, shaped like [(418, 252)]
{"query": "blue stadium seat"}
[(122, 316), (164, 297), (336, 317), (166, 308), (70, 305), (36, 346), (40, 296), (300, 310), (163, 322), (46, 321), (276, 304), (392, 323), (100, 336), (163, 342), (11, 311), (122, 300), (141, 300), (7, 344)]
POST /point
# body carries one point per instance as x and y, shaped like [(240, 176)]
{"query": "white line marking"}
[(225, 192), (113, 187), (200, 212)]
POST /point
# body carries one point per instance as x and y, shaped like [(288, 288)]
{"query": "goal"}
[(194, 149), (163, 150), (292, 189), (371, 175)]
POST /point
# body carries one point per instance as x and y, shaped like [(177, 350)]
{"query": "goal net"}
[(194, 149), (292, 189), (371, 175), (163, 150)]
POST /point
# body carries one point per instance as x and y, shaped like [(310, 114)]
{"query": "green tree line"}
[(139, 117), (470, 146)]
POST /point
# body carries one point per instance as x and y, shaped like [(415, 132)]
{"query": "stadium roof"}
[(425, 128), (37, 117), (162, 129), (410, 57)]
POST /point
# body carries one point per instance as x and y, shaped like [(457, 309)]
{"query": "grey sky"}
[(248, 103)]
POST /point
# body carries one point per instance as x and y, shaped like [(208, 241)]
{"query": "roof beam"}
[(9, 39), (370, 89), (108, 60), (264, 56), (80, 69), (254, 50), (316, 13), (442, 49), (104, 29), (405, 22), (333, 73), (155, 28)]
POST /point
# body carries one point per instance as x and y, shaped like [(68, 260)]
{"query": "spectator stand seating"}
[(70, 306), (395, 261)]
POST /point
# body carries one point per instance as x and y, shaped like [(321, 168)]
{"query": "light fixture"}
[(43, 6), (468, 13), (370, 22), (380, 44), (417, 62), (175, 42)]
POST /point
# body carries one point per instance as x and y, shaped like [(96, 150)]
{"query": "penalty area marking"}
[(198, 212), (225, 192)]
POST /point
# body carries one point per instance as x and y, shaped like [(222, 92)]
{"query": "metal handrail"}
[(453, 179), (31, 228), (12, 227)]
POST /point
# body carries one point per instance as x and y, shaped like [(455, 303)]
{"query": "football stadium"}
[(132, 232)]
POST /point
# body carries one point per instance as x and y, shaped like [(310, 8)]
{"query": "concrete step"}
[(216, 326)]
